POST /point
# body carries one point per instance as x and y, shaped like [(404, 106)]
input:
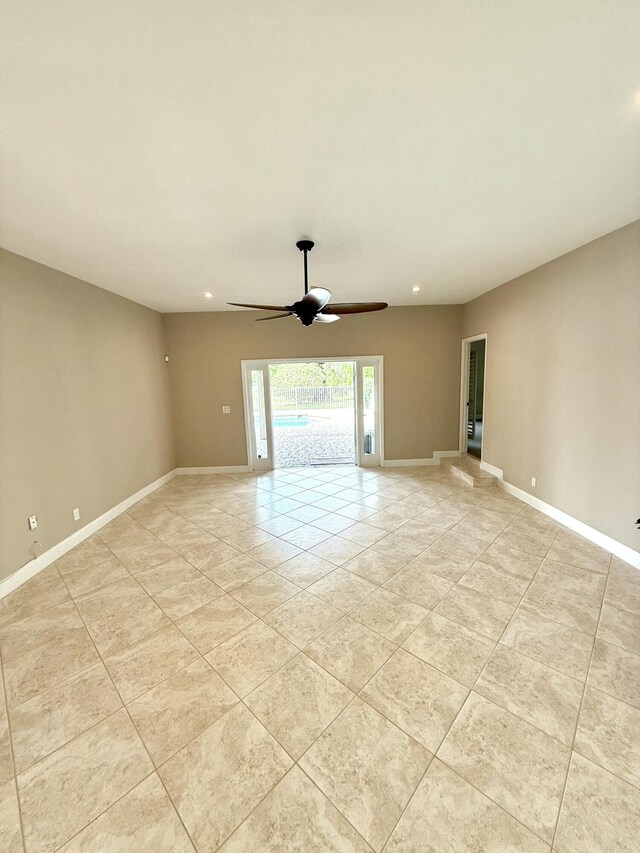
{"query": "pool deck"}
[(328, 438)]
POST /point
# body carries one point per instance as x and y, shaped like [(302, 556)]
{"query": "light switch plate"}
[(226, 410)]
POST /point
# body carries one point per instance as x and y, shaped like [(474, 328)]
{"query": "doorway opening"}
[(472, 395), (313, 412)]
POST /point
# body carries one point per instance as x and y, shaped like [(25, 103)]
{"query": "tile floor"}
[(323, 660)]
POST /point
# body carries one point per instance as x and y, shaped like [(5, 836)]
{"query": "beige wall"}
[(421, 349), (84, 404), (562, 401)]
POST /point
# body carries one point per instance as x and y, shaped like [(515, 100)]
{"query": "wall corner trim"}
[(618, 549), (418, 463), (35, 566), (217, 469)]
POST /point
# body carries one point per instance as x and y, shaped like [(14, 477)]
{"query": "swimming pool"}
[(292, 421)]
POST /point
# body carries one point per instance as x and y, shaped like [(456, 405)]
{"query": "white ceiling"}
[(160, 149)]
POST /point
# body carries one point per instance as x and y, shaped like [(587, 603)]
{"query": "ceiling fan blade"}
[(275, 317), (259, 307), (317, 298), (325, 318), (354, 307)]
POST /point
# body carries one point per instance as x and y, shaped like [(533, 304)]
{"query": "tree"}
[(311, 374)]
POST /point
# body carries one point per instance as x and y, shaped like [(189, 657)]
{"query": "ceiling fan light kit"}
[(314, 306)]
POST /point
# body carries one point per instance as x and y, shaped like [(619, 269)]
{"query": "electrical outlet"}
[(33, 522), (226, 410), (533, 482), (76, 514)]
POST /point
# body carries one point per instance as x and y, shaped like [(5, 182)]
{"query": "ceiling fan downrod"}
[(305, 246)]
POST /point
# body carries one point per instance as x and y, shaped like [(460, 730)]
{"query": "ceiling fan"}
[(314, 306)]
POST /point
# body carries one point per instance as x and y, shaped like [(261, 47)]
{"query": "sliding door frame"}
[(247, 365)]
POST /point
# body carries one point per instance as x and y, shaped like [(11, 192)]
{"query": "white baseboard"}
[(445, 454), (491, 469), (408, 463), (31, 569), (220, 469), (618, 549), (417, 463)]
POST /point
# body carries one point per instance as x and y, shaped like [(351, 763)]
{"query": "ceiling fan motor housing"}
[(304, 311)]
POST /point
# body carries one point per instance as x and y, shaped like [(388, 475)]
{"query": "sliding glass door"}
[(365, 384)]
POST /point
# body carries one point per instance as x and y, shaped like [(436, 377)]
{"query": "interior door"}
[(258, 402), (368, 413)]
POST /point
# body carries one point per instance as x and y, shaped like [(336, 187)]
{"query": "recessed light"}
[(416, 288), (207, 294)]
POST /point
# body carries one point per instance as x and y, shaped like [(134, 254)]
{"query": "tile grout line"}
[(241, 701), (98, 816), (571, 750), (173, 622), (356, 695), (357, 605), (13, 758), (308, 550), (348, 613), (135, 728), (73, 600), (593, 761), (577, 724), (162, 542), (430, 610), (343, 616), (319, 789), (201, 656), (125, 704), (294, 760), (461, 583), (435, 754), (472, 690), (92, 726), (471, 785)]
